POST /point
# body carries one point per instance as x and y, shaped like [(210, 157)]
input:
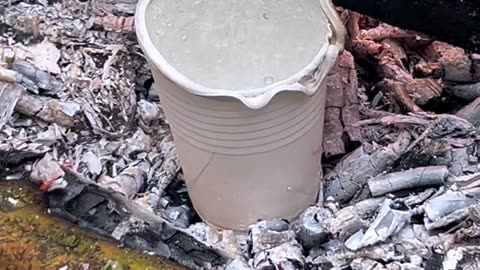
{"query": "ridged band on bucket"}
[(242, 135)]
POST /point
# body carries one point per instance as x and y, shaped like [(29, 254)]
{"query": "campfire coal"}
[(80, 119)]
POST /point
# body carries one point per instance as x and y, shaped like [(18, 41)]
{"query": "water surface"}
[(237, 44)]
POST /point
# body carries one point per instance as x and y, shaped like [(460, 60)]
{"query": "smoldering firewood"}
[(170, 166), (50, 110), (403, 266), (237, 265), (391, 66), (352, 218), (457, 65), (95, 122), (35, 79), (442, 125), (397, 92), (462, 162), (263, 237), (388, 222), (388, 60), (9, 76), (453, 218), (458, 25), (226, 241), (311, 229), (113, 23), (288, 256), (467, 181), (138, 143), (435, 50), (8, 56), (471, 112), (16, 152), (342, 258), (129, 181), (418, 198), (144, 229), (450, 207), (474, 214), (351, 173), (418, 177), (385, 118), (423, 90), (385, 31), (350, 112), (180, 216), (9, 95), (164, 171), (447, 125), (333, 144), (366, 49), (428, 69), (464, 91), (425, 152), (365, 263), (148, 111), (124, 9), (275, 245), (342, 109), (351, 21), (475, 66), (16, 155), (463, 256)]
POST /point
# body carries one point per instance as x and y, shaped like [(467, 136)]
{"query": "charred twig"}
[(444, 124), (465, 91), (418, 177), (9, 96), (471, 112), (49, 110), (352, 172), (397, 91), (352, 218), (35, 79), (394, 119)]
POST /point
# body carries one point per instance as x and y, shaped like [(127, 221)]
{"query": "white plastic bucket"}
[(247, 153)]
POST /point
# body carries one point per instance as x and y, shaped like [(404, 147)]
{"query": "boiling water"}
[(237, 44)]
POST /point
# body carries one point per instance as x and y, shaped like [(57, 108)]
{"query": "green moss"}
[(32, 239)]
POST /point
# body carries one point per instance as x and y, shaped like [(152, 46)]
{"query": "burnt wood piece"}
[(455, 21)]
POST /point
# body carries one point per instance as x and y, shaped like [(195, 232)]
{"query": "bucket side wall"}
[(242, 165)]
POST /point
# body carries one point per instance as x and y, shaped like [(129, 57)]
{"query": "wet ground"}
[(30, 238)]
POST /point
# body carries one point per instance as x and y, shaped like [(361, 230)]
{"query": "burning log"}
[(455, 22), (351, 173)]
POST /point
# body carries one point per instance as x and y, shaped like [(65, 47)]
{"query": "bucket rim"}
[(253, 98)]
